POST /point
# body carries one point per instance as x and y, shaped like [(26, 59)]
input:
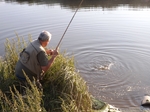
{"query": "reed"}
[(30, 102), (66, 86), (64, 90)]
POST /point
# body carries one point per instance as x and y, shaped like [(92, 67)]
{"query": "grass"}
[(64, 90)]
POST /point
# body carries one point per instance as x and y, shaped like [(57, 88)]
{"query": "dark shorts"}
[(20, 78)]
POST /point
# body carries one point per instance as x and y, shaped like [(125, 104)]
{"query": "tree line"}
[(89, 3)]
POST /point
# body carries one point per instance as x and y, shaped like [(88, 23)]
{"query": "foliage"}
[(30, 102), (64, 84)]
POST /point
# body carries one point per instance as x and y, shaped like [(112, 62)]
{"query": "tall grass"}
[(31, 102), (64, 90)]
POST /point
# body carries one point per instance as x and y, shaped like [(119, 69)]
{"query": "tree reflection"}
[(88, 3)]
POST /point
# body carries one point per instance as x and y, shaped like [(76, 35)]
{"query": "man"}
[(33, 60)]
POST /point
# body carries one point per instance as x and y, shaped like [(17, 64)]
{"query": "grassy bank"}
[(63, 88)]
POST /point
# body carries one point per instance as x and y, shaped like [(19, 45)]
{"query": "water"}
[(109, 40)]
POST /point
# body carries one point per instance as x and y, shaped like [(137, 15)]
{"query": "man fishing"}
[(34, 60)]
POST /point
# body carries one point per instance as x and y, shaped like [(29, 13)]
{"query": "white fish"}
[(103, 67)]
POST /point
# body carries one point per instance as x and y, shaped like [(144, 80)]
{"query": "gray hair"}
[(44, 36)]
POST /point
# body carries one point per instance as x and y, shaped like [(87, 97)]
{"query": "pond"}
[(109, 39)]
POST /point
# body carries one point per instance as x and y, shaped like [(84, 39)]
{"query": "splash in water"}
[(103, 67)]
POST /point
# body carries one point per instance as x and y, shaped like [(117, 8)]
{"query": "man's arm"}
[(45, 68), (50, 62)]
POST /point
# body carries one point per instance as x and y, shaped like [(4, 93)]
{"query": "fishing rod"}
[(69, 24)]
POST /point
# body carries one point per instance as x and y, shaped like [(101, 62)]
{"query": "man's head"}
[(44, 38)]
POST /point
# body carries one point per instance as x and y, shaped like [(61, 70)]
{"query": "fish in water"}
[(103, 67)]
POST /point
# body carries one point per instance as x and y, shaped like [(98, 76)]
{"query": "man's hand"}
[(49, 52), (55, 53), (52, 52)]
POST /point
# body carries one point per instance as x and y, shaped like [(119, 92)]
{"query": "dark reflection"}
[(88, 3)]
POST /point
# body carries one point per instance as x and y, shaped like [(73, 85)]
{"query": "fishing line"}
[(69, 24)]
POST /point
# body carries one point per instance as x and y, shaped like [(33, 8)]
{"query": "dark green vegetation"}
[(64, 90)]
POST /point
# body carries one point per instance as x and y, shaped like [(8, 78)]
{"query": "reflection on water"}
[(89, 3), (111, 47)]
